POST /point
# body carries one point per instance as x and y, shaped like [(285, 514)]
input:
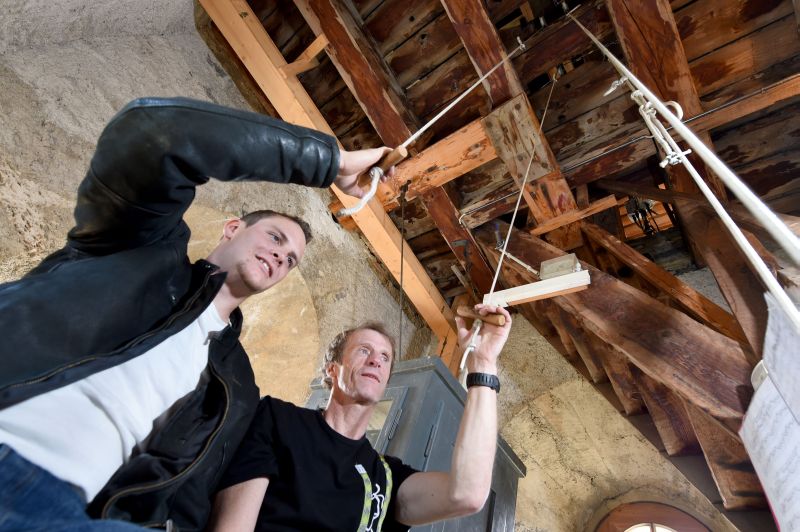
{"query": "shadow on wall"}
[(281, 330)]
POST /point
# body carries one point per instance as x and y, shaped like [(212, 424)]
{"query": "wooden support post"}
[(262, 58), (651, 42), (730, 466), (652, 45)]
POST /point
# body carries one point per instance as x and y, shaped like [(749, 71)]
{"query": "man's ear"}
[(230, 228), (330, 371)]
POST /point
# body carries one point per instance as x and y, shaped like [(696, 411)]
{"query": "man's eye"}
[(290, 260), (275, 238)]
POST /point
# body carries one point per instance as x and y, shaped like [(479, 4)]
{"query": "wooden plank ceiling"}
[(390, 65)]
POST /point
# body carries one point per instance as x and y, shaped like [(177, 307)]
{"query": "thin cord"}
[(510, 227), (402, 263)]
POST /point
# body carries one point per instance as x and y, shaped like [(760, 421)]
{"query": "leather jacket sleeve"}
[(154, 152)]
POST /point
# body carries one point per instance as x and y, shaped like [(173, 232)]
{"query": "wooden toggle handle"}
[(468, 312), (392, 158)]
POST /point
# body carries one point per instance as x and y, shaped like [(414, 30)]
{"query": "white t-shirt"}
[(83, 432)]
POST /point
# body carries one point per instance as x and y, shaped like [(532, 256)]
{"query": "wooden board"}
[(669, 415), (742, 58), (732, 19), (729, 464)]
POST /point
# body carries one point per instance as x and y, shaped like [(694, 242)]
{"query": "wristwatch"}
[(483, 379)]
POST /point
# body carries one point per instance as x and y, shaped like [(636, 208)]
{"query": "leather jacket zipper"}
[(130, 344), (190, 467)]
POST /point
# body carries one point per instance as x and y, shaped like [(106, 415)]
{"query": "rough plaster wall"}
[(65, 69), (583, 458), (67, 66)]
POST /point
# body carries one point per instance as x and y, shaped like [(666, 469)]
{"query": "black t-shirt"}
[(318, 479)]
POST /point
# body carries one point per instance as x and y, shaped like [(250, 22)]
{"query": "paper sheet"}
[(771, 430)]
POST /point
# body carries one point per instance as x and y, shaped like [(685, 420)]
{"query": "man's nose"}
[(375, 361), (278, 256)]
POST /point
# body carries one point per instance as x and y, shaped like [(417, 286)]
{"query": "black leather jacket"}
[(123, 283)]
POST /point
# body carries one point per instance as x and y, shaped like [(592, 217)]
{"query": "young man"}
[(298, 469), (123, 381)]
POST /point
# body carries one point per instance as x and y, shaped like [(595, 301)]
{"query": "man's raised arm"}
[(154, 153), (432, 496)]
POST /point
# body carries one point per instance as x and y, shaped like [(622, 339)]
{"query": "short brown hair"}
[(335, 349), (254, 217)]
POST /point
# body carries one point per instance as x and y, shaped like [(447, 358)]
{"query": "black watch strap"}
[(483, 379)]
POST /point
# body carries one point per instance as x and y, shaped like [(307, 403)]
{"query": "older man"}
[(123, 381), (298, 469)]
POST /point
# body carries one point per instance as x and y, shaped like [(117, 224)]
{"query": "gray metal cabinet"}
[(417, 421)]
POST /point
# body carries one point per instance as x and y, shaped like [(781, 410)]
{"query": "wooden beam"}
[(362, 68), (697, 363), (262, 58), (573, 216), (619, 373), (649, 37), (451, 157), (585, 350), (516, 135), (483, 45), (308, 59), (742, 290), (669, 416), (697, 305), (781, 92), (730, 466), (445, 215), (651, 43)]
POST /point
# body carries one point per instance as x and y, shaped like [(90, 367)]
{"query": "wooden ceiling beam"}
[(484, 48), (362, 68), (255, 48), (702, 366)]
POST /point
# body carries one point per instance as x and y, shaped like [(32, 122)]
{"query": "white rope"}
[(779, 231), (375, 174)]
